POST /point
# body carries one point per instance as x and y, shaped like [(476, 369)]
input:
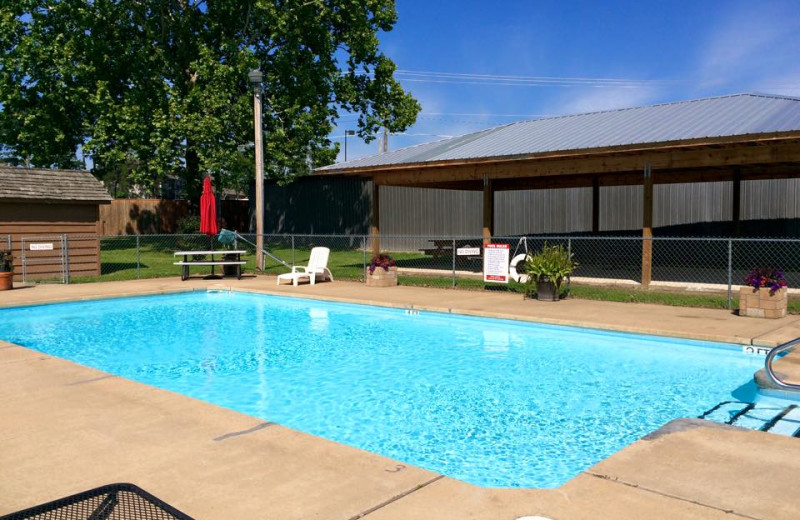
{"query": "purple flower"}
[(766, 277), (384, 261)]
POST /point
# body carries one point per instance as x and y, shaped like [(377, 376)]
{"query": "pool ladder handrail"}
[(771, 373)]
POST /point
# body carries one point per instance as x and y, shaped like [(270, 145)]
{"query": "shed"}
[(732, 138), (47, 216)]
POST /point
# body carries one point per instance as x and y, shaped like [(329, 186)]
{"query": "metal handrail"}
[(768, 365)]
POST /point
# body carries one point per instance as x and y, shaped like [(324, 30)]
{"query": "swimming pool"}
[(492, 402)]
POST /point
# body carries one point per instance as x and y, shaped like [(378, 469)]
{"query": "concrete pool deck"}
[(67, 428)]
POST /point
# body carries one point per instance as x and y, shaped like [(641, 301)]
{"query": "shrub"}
[(189, 225), (6, 262)]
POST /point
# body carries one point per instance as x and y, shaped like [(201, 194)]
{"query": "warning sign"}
[(495, 263)]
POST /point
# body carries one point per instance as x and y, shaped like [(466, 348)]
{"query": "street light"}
[(256, 78), (346, 133)]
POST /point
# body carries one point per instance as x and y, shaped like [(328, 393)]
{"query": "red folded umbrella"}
[(208, 210)]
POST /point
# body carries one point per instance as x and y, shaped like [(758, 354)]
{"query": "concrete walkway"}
[(67, 428)]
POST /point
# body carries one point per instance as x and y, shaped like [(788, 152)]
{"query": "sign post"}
[(495, 263)]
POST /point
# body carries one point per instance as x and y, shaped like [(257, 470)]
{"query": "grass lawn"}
[(118, 259)]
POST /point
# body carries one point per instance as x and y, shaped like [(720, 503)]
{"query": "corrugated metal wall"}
[(342, 205)]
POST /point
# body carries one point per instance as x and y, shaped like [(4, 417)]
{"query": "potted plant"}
[(381, 272), (547, 270), (6, 271), (764, 295)]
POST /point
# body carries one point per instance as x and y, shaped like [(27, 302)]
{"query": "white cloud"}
[(751, 46)]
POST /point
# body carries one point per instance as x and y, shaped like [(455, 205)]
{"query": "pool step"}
[(756, 416)]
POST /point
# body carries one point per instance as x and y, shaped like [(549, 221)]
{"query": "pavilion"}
[(730, 138)]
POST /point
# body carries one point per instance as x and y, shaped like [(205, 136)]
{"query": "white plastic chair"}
[(317, 266)]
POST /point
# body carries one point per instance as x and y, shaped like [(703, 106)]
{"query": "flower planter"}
[(381, 277), (6, 281), (546, 291), (759, 303)]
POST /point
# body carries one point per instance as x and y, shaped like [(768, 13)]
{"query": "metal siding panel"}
[(342, 206)]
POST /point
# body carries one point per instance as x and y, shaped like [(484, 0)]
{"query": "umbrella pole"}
[(213, 275)]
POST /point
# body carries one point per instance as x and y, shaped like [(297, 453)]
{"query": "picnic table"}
[(444, 247), (440, 248), (190, 258)]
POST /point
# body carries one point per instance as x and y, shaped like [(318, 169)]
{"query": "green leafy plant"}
[(189, 225), (6, 262), (552, 264)]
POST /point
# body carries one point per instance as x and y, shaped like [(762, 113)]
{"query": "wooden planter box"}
[(758, 303), (381, 277)]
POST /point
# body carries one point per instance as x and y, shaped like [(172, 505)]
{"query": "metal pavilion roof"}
[(725, 116)]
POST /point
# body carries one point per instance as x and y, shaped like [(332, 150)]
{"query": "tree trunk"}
[(192, 177)]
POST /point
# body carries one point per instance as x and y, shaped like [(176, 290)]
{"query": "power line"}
[(515, 80), (456, 81), (537, 79), (482, 114)]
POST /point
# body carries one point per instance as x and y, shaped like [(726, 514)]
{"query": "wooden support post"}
[(488, 210), (595, 204), (647, 227), (376, 218), (736, 209)]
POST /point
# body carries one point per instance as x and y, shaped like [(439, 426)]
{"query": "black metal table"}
[(111, 502)]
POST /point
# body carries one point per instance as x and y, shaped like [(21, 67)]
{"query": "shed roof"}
[(725, 116), (66, 186)]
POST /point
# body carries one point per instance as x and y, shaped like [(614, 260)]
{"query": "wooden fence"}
[(142, 216), (155, 216)]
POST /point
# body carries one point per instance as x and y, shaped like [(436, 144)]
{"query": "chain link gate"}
[(45, 259)]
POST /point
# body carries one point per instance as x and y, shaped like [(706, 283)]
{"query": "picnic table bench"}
[(189, 259)]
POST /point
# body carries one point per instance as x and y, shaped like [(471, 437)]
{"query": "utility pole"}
[(256, 77), (385, 140)]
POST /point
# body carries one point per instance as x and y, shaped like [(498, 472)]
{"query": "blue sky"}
[(475, 64)]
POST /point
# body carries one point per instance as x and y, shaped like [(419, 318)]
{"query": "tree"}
[(158, 87)]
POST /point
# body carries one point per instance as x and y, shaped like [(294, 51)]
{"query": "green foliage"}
[(552, 263), (189, 225), (151, 88)]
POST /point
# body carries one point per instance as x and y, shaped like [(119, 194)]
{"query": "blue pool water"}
[(492, 402)]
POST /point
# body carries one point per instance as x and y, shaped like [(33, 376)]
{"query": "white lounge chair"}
[(317, 266)]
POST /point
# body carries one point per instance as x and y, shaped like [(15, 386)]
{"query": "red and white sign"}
[(495, 263)]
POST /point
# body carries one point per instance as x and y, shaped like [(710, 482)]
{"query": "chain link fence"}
[(718, 263)]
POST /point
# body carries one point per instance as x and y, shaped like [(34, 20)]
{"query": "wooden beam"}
[(736, 203), (488, 210), (595, 204), (647, 227), (633, 178), (376, 219)]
